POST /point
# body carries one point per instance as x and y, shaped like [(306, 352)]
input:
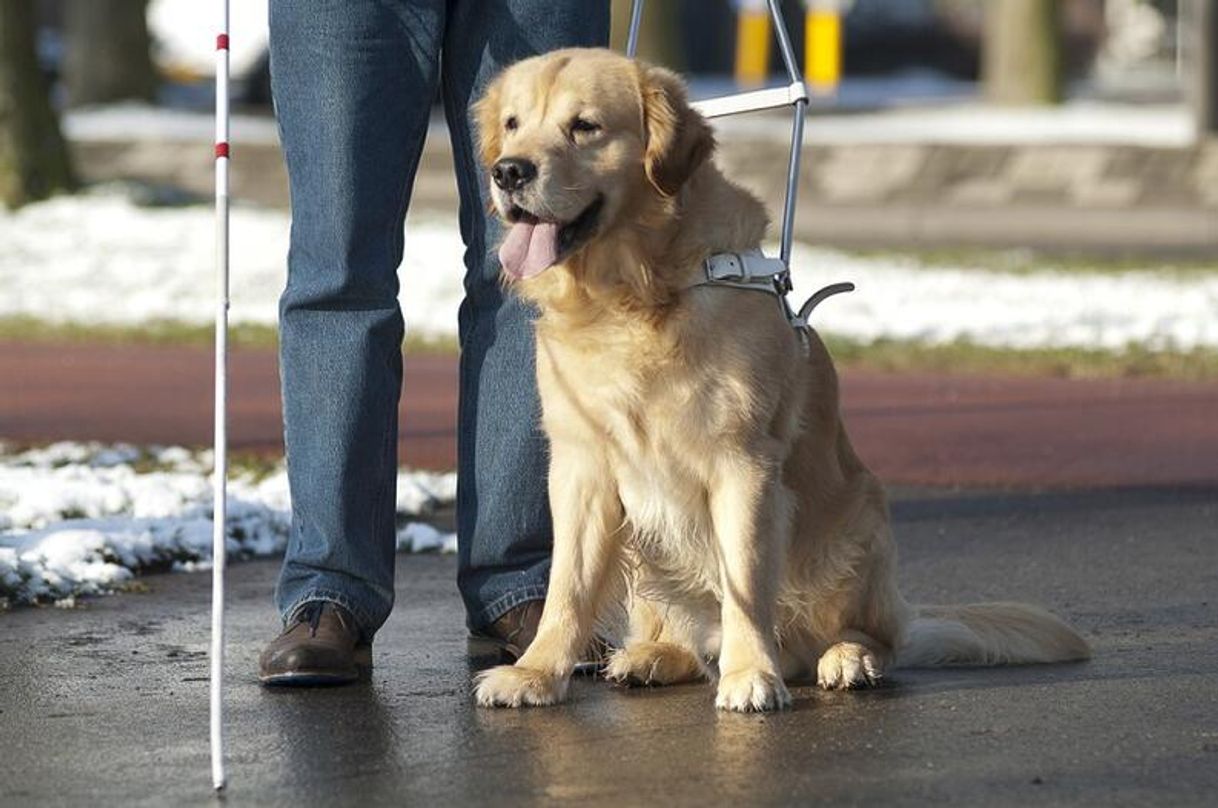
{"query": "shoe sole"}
[(489, 651), (362, 672)]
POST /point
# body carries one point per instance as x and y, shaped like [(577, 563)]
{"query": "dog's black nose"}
[(513, 173)]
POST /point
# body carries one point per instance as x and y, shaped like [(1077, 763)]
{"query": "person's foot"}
[(510, 636), (320, 645)]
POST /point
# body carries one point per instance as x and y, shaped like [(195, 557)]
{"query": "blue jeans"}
[(353, 83)]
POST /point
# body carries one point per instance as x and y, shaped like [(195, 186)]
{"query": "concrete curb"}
[(1092, 197)]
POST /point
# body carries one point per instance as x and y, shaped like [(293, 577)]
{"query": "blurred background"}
[(102, 90), (869, 52)]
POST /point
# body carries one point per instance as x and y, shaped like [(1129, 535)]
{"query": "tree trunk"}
[(1022, 52), (107, 52), (33, 158), (659, 35), (1205, 68)]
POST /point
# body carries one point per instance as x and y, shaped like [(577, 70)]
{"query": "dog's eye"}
[(511, 123), (583, 126)]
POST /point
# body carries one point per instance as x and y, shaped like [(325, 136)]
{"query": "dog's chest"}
[(661, 495), (660, 469), (643, 417)]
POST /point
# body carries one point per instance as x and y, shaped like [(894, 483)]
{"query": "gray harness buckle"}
[(753, 271)]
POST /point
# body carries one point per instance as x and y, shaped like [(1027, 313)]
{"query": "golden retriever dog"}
[(708, 506)]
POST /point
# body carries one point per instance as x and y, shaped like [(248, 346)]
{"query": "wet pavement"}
[(911, 429), (107, 703)]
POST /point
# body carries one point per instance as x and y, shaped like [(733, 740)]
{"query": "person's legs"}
[(353, 82), (503, 519)]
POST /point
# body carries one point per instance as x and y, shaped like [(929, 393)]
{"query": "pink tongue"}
[(529, 249)]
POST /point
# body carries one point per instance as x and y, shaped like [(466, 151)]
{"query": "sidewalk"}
[(911, 429), (1092, 176), (107, 704)]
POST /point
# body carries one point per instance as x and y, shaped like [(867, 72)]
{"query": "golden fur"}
[(707, 502)]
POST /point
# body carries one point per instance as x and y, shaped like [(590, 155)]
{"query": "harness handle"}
[(821, 296), (796, 97)]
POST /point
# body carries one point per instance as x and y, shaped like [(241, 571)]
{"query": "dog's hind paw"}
[(752, 691), (848, 665), (653, 663), (514, 686)]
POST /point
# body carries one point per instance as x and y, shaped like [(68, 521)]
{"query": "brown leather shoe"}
[(320, 645), (511, 634)]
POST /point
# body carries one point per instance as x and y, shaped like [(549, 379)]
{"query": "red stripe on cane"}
[(222, 42), (221, 150)]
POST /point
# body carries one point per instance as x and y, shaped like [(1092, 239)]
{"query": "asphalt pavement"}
[(107, 703)]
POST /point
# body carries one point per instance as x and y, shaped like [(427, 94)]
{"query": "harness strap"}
[(750, 270), (752, 266), (753, 271)]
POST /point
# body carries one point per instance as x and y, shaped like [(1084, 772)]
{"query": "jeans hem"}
[(361, 616), (504, 604)]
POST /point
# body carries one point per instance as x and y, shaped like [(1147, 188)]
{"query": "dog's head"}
[(578, 142)]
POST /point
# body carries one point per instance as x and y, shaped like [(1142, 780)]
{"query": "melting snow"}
[(99, 258), (78, 518)]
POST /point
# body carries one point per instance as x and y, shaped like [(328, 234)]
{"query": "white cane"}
[(220, 474)]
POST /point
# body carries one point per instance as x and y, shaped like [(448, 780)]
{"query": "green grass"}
[(1027, 262), (252, 465), (256, 466), (896, 356), (21, 328), (967, 358)]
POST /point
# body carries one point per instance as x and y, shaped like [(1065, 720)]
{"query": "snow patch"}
[(135, 121), (1080, 123), (1084, 123), (100, 259), (84, 518), (183, 31)]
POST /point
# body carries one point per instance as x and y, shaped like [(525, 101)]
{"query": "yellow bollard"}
[(752, 44), (823, 47)]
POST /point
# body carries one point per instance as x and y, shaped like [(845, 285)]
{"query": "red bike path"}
[(911, 429)]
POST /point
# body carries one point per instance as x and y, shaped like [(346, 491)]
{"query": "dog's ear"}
[(678, 139), (486, 120)]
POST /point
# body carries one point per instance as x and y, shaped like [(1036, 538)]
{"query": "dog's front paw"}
[(848, 665), (514, 686), (752, 691), (653, 663)]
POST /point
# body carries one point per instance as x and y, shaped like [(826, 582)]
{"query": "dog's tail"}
[(987, 634)]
